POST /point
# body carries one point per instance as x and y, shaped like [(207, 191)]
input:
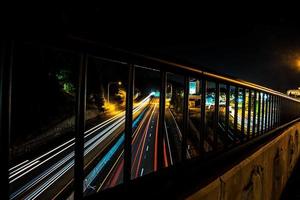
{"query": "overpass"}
[(155, 137)]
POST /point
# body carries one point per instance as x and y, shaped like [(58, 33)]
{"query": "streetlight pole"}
[(119, 83)]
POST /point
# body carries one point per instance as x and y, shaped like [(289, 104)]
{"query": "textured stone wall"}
[(262, 176)]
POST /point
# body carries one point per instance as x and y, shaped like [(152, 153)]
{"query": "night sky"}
[(254, 46), (260, 50)]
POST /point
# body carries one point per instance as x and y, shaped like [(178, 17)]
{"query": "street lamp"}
[(110, 83), (298, 64)]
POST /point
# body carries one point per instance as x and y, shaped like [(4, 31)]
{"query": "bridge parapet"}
[(263, 175)]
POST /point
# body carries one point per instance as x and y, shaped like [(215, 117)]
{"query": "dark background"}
[(254, 43)]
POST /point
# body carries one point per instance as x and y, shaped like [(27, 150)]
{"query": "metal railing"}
[(257, 110)]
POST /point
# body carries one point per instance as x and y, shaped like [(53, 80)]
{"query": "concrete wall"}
[(262, 176)]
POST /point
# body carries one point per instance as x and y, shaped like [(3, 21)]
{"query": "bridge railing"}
[(201, 114)]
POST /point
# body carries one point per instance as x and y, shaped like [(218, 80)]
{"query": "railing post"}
[(280, 111), (216, 117), (254, 114), (185, 118), (274, 112), (128, 125), (202, 114), (266, 113), (6, 65), (227, 109), (161, 126), (236, 97), (262, 113), (80, 127), (243, 112), (270, 112), (249, 114), (277, 111), (258, 113)]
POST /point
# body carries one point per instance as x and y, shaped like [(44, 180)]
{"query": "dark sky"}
[(254, 46), (260, 50)]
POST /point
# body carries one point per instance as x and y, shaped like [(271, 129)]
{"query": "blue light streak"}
[(108, 156)]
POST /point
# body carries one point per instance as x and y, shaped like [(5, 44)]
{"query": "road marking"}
[(150, 135), (142, 171), (147, 148)]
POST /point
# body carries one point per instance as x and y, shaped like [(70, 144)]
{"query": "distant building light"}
[(294, 93), (193, 87)]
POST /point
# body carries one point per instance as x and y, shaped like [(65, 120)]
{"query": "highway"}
[(144, 150), (51, 175)]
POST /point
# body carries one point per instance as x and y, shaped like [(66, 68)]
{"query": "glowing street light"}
[(298, 64), (110, 83)]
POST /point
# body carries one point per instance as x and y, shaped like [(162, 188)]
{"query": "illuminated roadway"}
[(51, 174), (144, 150)]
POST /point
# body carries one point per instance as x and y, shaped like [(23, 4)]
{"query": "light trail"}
[(168, 143), (87, 133), (89, 146)]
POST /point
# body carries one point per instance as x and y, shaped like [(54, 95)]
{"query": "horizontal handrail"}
[(197, 70)]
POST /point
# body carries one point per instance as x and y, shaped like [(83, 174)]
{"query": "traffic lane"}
[(100, 148), (37, 172), (138, 137), (114, 176), (145, 147), (111, 174), (175, 138), (63, 155), (45, 172)]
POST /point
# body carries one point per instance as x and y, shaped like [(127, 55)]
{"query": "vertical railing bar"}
[(243, 112), (274, 111), (3, 133), (216, 118), (259, 111), (262, 113), (227, 110), (202, 118), (6, 70), (185, 118), (266, 113), (270, 116), (9, 103), (254, 114), (249, 114), (161, 127), (278, 110), (79, 128), (236, 97), (128, 125), (269, 113)]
